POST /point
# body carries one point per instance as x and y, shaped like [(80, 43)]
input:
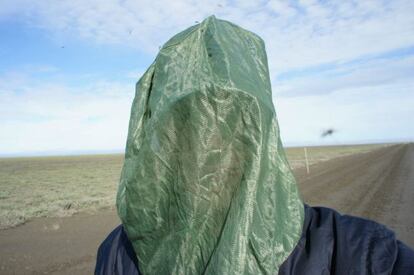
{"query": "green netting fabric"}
[(205, 187)]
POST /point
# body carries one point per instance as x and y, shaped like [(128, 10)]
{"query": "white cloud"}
[(282, 8), (297, 34), (370, 73), (364, 114), (53, 117)]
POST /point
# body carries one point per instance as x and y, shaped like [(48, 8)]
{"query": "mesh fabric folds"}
[(205, 187)]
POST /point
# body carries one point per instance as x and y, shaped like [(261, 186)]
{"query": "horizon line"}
[(64, 153)]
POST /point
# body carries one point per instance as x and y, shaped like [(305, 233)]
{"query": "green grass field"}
[(60, 186), (56, 186)]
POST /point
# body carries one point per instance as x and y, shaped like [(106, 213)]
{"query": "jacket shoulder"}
[(332, 243), (116, 255)]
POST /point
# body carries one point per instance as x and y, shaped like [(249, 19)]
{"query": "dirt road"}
[(378, 185), (55, 245)]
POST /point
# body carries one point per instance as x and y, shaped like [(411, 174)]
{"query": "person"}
[(206, 187)]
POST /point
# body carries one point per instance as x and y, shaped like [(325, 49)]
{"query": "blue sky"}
[(68, 68)]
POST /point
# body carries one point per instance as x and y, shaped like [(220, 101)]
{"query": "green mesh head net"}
[(205, 187)]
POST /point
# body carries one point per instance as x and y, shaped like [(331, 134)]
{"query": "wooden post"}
[(306, 159)]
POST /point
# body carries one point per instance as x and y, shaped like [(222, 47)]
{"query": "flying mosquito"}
[(328, 132)]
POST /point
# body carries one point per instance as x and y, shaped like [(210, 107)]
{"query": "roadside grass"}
[(56, 186), (61, 186)]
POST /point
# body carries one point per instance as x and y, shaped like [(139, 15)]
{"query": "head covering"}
[(205, 187)]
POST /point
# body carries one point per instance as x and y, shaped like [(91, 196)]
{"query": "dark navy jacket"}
[(330, 244)]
